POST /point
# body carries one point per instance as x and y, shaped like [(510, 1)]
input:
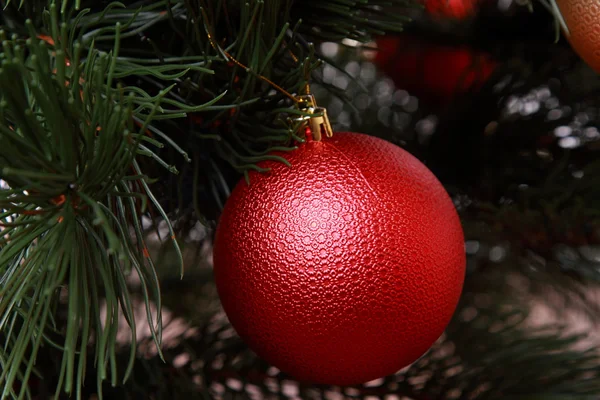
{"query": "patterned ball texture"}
[(345, 266), (582, 17)]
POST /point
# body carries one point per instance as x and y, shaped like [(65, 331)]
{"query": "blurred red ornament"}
[(346, 266), (435, 73), (452, 9)]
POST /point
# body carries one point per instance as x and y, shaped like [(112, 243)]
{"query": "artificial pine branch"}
[(257, 52), (69, 146), (248, 53), (337, 20)]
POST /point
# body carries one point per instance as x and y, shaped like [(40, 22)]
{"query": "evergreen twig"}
[(68, 146)]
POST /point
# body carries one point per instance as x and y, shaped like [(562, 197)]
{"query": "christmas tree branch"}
[(358, 20), (258, 59), (68, 148), (255, 56)]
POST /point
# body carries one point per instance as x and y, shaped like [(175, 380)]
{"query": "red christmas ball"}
[(452, 9), (345, 266), (435, 73)]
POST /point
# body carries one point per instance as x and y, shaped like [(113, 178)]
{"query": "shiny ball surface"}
[(582, 17), (346, 266)]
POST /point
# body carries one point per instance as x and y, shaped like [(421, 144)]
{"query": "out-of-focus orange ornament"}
[(435, 73), (583, 21)]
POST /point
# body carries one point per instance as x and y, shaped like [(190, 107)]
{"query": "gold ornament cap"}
[(317, 120)]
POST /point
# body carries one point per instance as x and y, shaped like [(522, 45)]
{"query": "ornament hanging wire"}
[(315, 118)]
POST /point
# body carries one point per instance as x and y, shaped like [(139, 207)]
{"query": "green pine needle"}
[(68, 144)]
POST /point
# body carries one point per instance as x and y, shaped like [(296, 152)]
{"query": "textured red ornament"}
[(433, 72), (344, 267)]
